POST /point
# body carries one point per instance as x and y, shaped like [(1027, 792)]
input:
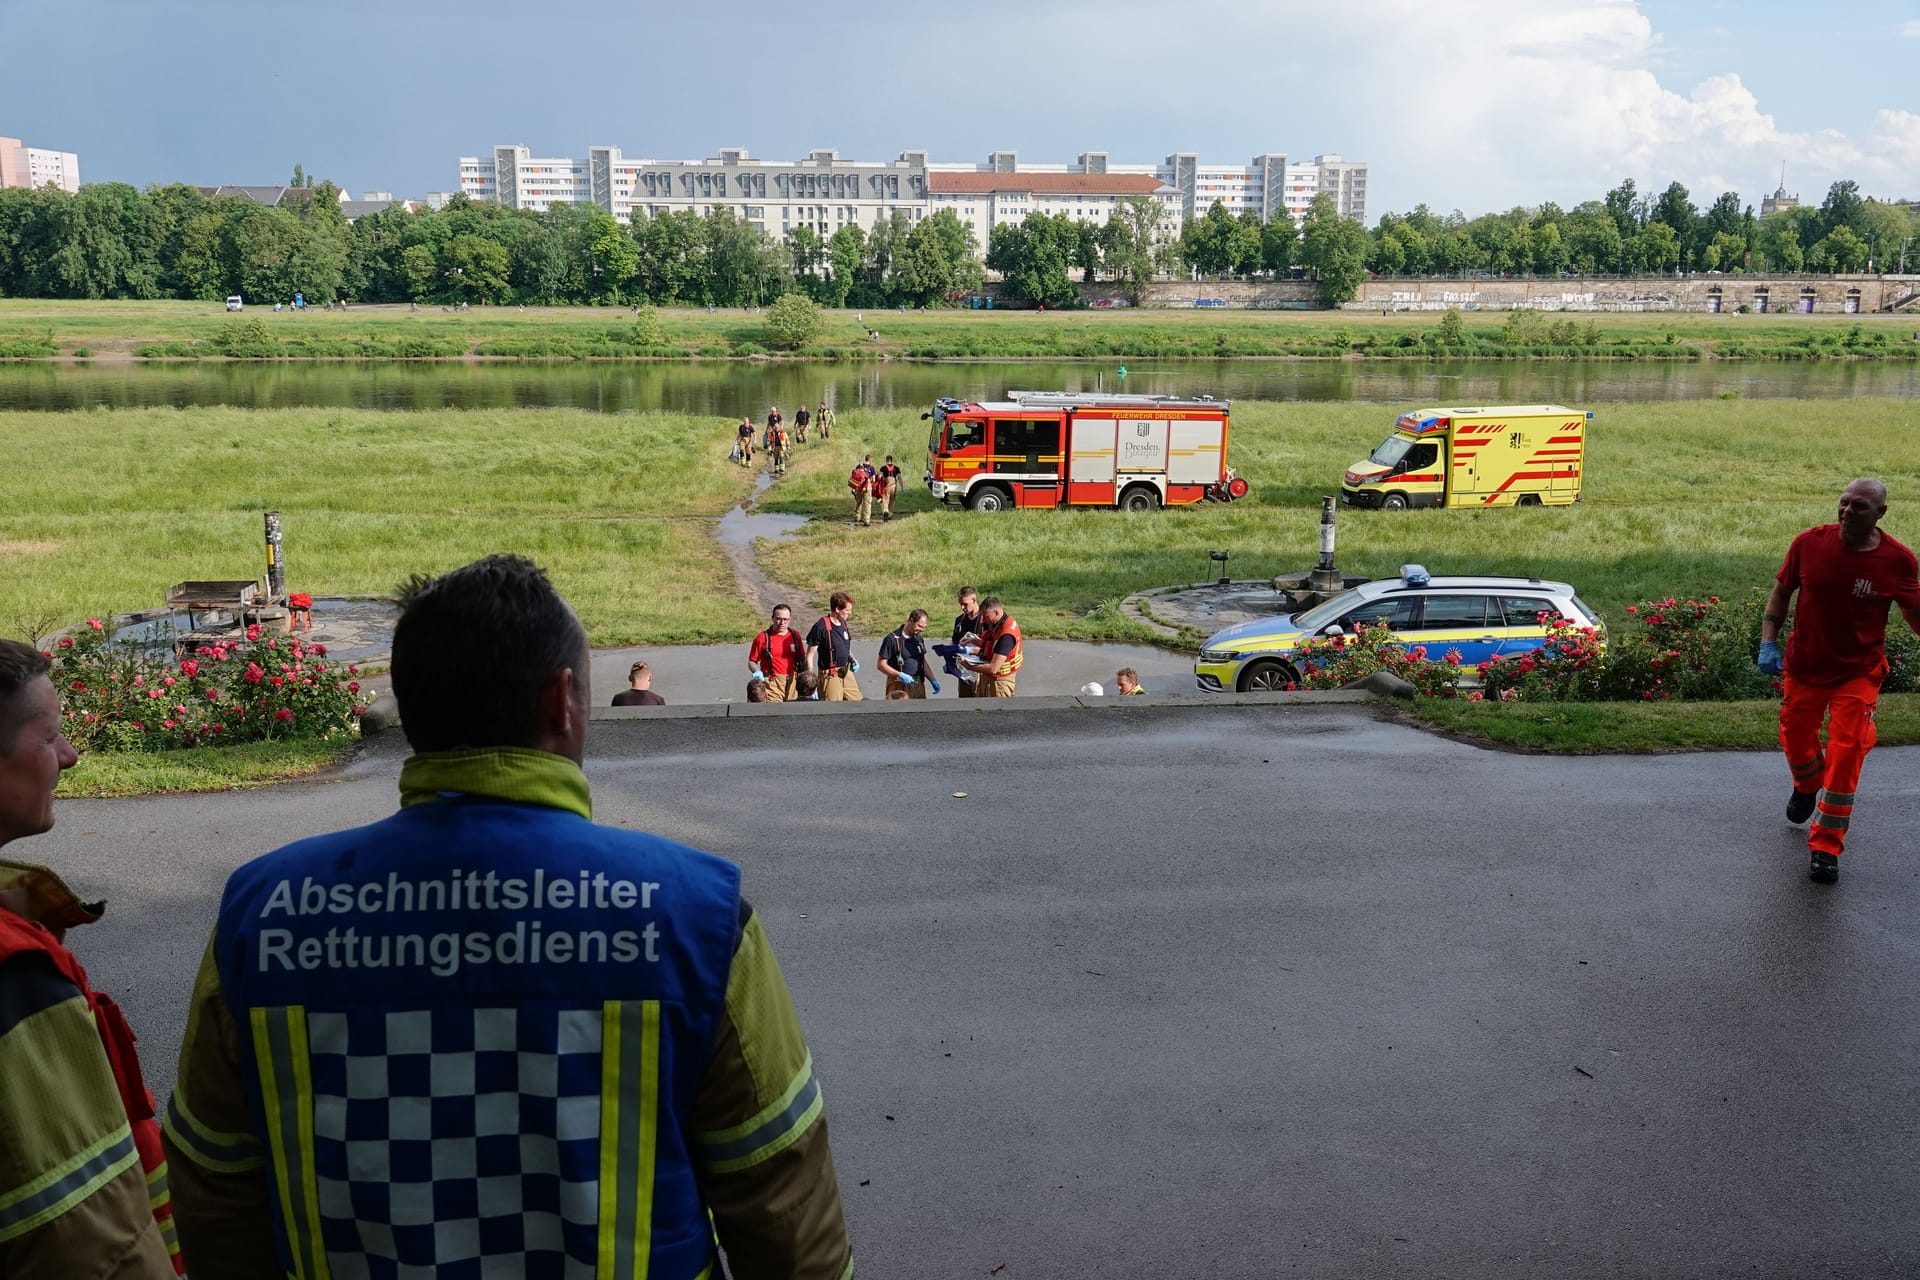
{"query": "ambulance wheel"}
[(1268, 676), (1139, 498), (1394, 502), (989, 498), (1528, 500)]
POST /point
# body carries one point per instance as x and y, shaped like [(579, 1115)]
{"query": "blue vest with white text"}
[(473, 1033)]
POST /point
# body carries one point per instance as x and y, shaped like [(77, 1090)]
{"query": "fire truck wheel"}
[(1139, 498), (1268, 675), (989, 498), (1394, 502)]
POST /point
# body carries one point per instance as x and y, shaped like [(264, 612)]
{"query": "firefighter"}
[(485, 1035), (800, 422), (888, 487), (1000, 651), (861, 484), (744, 449), (830, 652), (1849, 574), (776, 657), (824, 420), (966, 623), (83, 1183), (1127, 681), (774, 420), (777, 448)]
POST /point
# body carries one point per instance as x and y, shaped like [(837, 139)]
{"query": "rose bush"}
[(1333, 662), (120, 698)]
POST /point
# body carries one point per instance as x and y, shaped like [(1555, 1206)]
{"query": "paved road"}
[(1132, 1009)]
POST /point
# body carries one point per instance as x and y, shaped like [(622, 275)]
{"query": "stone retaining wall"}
[(1701, 293)]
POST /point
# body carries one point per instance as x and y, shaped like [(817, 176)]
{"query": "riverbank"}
[(203, 331)]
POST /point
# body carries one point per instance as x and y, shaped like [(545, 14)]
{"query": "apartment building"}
[(826, 192), (24, 166)]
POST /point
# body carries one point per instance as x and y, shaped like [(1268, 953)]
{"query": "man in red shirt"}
[(777, 656), (1848, 575)]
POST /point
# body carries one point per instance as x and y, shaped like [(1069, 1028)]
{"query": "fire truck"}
[(1063, 449)]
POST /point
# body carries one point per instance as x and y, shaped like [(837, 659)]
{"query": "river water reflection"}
[(730, 388)]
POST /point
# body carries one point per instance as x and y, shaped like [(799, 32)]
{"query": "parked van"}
[(1521, 455), (233, 302)]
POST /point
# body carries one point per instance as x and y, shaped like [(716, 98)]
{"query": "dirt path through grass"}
[(739, 533)]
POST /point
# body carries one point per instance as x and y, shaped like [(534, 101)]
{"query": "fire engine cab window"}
[(1525, 611), (1397, 614), (962, 434), (1422, 456), (1454, 613), (1019, 444)]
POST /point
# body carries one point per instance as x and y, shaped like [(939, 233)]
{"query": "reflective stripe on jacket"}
[(990, 636)]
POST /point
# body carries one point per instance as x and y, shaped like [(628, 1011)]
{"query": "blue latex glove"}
[(904, 678), (758, 675), (853, 665), (1770, 661), (933, 685)]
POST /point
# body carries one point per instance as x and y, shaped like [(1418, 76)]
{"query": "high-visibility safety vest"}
[(475, 1030), (990, 639), (137, 1139)]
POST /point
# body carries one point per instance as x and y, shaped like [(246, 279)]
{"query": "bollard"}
[(1325, 577), (276, 566)]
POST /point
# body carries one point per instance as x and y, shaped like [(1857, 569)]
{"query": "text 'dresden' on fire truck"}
[(1523, 455), (1064, 449)]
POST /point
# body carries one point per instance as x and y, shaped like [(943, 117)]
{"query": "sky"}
[(1474, 105)]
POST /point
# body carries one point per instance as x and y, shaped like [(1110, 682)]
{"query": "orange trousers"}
[(1847, 710)]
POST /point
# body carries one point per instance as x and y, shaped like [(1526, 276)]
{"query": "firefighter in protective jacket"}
[(83, 1186), (485, 1034)]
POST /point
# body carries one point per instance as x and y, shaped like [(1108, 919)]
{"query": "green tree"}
[(1675, 209), (1776, 245), (1214, 244), (612, 251), (648, 333), (1843, 207), (792, 322), (477, 269), (1625, 206), (1334, 248), (808, 252), (845, 252), (1130, 244), (1887, 227), (1654, 249), (1840, 251), (1726, 252)]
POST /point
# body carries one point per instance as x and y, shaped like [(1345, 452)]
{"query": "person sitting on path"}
[(1127, 680), (639, 691)]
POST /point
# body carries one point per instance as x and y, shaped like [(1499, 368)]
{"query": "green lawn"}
[(107, 508), (250, 764), (1681, 498), (120, 328), (1597, 727)]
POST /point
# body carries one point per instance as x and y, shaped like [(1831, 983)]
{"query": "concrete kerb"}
[(981, 706)]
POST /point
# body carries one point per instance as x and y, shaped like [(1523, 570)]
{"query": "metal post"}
[(276, 566), (1326, 577)]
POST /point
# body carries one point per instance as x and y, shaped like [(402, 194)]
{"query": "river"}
[(727, 389)]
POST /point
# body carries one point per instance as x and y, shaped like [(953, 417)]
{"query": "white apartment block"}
[(825, 192), (24, 166)]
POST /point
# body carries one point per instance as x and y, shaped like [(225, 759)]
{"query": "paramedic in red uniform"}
[(1848, 575)]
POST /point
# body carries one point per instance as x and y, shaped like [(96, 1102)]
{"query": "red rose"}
[(353, 686), (253, 632), (253, 674), (95, 624), (213, 695), (275, 681), (78, 686), (189, 668), (283, 714)]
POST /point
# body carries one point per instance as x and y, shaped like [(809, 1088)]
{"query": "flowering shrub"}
[(1570, 667), (1333, 662), (119, 698)]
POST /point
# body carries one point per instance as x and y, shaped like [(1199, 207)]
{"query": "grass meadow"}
[(120, 329)]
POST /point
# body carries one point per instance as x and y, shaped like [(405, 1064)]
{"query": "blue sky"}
[(1469, 104)]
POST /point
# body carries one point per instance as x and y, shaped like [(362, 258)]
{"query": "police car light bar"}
[(1414, 575)]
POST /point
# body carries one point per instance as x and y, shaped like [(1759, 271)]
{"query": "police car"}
[(1481, 618)]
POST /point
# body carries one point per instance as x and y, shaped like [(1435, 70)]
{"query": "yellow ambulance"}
[(1519, 455)]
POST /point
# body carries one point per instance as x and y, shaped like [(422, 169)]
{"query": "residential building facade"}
[(24, 166), (825, 192)]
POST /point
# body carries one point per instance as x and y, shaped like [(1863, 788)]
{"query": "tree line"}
[(112, 241)]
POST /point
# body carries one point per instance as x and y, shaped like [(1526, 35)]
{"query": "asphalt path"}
[(1249, 991)]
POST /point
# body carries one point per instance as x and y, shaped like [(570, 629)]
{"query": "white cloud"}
[(1911, 29), (1490, 103)]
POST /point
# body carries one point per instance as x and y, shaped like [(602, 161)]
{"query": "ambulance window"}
[(1391, 451), (1454, 613), (1422, 456), (1396, 613), (1525, 611)]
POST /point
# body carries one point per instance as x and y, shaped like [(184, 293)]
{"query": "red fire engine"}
[(1054, 449)]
